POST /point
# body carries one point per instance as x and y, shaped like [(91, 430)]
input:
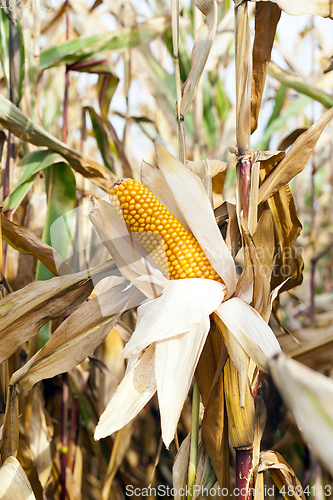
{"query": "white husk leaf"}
[(183, 305), (251, 331), (175, 363), (152, 178), (131, 258), (133, 393), (14, 483)]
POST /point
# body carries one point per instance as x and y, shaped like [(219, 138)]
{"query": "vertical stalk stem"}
[(64, 420), (245, 164), (175, 43), (244, 473)]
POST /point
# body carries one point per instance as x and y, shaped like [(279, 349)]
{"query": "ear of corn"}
[(173, 248)]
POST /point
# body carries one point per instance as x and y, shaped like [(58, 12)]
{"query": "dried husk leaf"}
[(25, 241), (227, 212), (321, 8), (214, 432), (295, 160), (267, 16), (20, 125), (308, 394), (212, 358), (288, 261), (10, 430), (282, 474), (13, 482), (76, 338), (241, 420), (180, 465), (261, 250), (243, 63), (202, 44)]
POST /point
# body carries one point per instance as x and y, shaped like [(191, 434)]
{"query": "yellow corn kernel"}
[(173, 248)]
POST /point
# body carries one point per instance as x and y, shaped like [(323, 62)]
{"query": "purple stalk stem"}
[(65, 390), (244, 473), (245, 164), (64, 419)]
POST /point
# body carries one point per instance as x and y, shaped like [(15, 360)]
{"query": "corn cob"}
[(173, 248)]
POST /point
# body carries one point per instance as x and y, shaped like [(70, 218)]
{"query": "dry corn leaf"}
[(38, 436), (76, 338), (25, 241), (243, 63), (214, 433), (315, 350), (212, 355), (308, 394), (10, 430), (13, 482), (23, 127), (267, 16), (289, 262), (321, 8), (295, 160), (24, 312), (283, 475), (202, 44), (261, 250)]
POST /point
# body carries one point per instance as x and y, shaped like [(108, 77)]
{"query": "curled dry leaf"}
[(14, 482), (202, 44), (295, 160), (20, 125), (287, 228), (267, 16), (24, 312), (282, 474), (25, 241)]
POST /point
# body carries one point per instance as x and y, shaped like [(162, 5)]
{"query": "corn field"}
[(166, 325)]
